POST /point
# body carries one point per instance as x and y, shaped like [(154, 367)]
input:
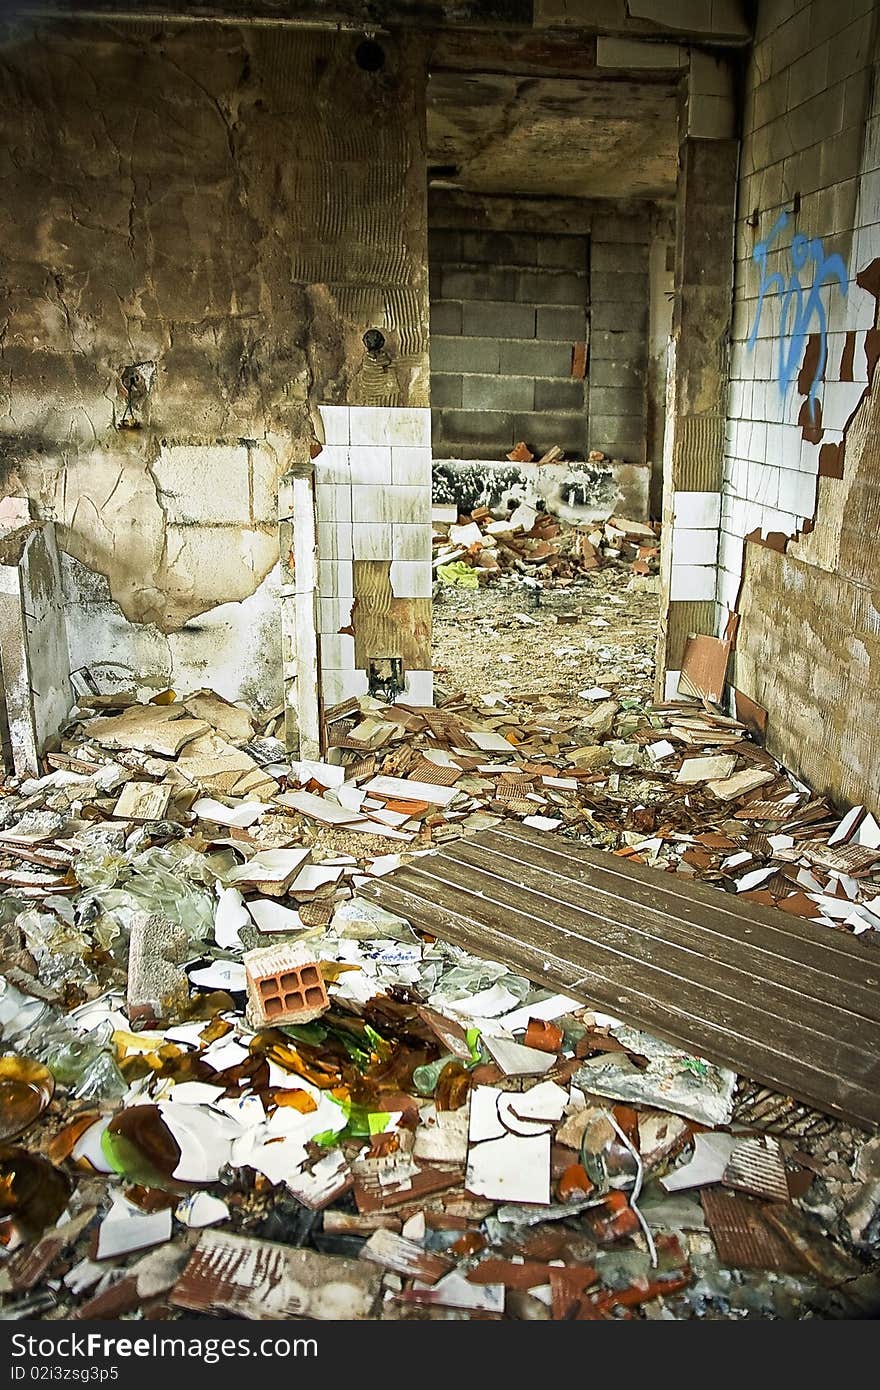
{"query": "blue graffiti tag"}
[(801, 306)]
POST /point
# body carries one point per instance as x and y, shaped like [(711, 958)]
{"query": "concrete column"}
[(697, 364)]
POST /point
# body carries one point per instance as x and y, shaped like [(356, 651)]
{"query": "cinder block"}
[(544, 428), (497, 393), (446, 390), (606, 372), (284, 985), (608, 315), (500, 248), (615, 400), (561, 324), (562, 253), (478, 284), (337, 686), (444, 245), (549, 288), (498, 320), (476, 425), (617, 346), (622, 288), (464, 354), (618, 258), (608, 432), (559, 395), (535, 358), (445, 317), (419, 687)]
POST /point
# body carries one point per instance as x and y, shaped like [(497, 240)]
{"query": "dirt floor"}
[(514, 640)]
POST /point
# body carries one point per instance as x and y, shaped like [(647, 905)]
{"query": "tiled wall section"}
[(373, 502), (805, 132)]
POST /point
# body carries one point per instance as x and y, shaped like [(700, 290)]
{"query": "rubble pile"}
[(529, 544), (217, 1051)]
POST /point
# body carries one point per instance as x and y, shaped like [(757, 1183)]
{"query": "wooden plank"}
[(800, 964), (787, 1002)]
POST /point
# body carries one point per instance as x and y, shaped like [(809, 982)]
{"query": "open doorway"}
[(551, 221)]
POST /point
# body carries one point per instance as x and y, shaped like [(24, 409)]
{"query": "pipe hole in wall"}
[(385, 677)]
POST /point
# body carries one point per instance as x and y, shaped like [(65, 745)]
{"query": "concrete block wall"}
[(618, 367), (806, 136), (506, 308)]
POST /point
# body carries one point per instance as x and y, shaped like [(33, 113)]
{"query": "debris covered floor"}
[(234, 1084)]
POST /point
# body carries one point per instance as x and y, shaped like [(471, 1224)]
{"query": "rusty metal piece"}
[(756, 1166), (756, 1107), (263, 1281), (743, 1238)]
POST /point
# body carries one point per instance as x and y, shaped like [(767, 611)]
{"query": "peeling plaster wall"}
[(235, 205), (804, 475)]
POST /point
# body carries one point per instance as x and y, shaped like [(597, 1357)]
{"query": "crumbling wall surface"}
[(802, 468), (226, 209)]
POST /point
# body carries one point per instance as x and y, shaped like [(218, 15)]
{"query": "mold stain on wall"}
[(231, 207)]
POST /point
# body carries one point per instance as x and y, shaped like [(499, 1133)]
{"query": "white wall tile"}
[(337, 652), (370, 466), (372, 504), (411, 578), (697, 510), (368, 424), (409, 505), (335, 578), (336, 423), (692, 582), (411, 467), (411, 542), (334, 540), (371, 541), (410, 427), (337, 686), (331, 465), (333, 502), (671, 688), (419, 688), (333, 614), (691, 547)]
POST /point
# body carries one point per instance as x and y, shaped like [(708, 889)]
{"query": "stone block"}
[(157, 987)]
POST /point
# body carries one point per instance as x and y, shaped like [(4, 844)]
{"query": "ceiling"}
[(563, 137)]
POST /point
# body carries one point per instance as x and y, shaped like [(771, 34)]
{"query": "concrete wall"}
[(227, 209), (506, 308), (800, 466), (619, 295)]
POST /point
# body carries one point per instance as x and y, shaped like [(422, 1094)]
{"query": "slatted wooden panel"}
[(788, 1002)]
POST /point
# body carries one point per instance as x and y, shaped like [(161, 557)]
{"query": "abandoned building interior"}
[(440, 660)]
